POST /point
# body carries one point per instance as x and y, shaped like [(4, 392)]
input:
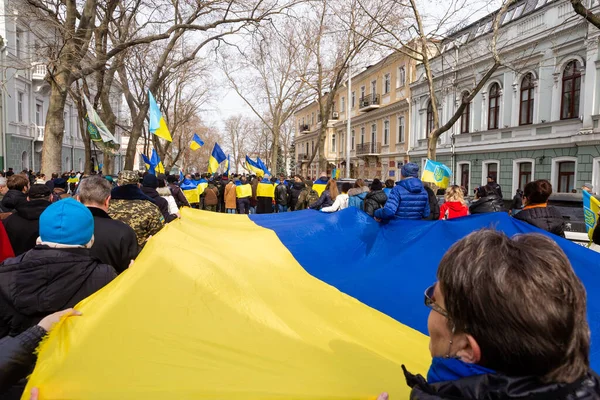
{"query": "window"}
[(492, 170), (386, 132), (307, 148), (19, 42), (20, 96), (524, 174), (540, 3), (343, 107), (313, 119), (362, 92), (566, 176), (400, 129), (353, 100), (526, 110), (571, 86), (38, 114), (429, 126), (373, 133), (465, 118), (494, 106), (387, 83), (352, 142), (374, 87), (401, 81), (312, 146), (518, 11), (508, 16), (464, 176), (24, 160), (332, 143)]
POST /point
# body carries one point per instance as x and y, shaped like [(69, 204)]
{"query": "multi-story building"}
[(379, 122), (536, 117), (25, 97)]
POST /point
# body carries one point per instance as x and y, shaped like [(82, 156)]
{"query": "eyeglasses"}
[(429, 302)]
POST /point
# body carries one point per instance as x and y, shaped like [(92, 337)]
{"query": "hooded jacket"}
[(162, 203), (166, 194), (454, 209), (502, 387), (374, 201), (408, 200), (230, 196), (295, 191), (211, 195), (487, 204), (544, 217), (115, 243), (12, 199), (45, 280), (23, 226)]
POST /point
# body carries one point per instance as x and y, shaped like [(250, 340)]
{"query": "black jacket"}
[(434, 205), (17, 356), (517, 202), (281, 194), (501, 387), (12, 199), (161, 202), (178, 195), (374, 201), (23, 227), (295, 191), (496, 188), (487, 204), (324, 201), (115, 243), (45, 280), (547, 218)]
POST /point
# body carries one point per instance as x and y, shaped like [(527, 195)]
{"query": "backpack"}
[(357, 201), (312, 197)]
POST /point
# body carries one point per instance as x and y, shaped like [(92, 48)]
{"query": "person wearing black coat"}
[(56, 274), (376, 198), (434, 204), (115, 243), (295, 190), (18, 186), (324, 201), (537, 212), (17, 354), (22, 227), (149, 185), (487, 201)]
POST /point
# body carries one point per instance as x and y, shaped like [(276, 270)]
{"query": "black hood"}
[(298, 185), (43, 280), (32, 209), (12, 199), (378, 195), (129, 192), (150, 192)]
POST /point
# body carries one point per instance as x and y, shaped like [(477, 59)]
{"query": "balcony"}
[(335, 115), (368, 149), (369, 102), (38, 72), (38, 133), (302, 157), (304, 128)]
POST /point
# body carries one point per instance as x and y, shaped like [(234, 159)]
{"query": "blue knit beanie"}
[(410, 170), (67, 222)]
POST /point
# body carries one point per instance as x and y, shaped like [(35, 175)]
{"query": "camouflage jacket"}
[(142, 216)]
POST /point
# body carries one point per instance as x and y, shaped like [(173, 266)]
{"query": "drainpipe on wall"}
[(3, 116)]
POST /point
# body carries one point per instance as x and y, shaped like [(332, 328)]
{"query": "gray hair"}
[(2, 181), (94, 190)]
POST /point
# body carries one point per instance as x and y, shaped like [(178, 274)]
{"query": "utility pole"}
[(348, 121)]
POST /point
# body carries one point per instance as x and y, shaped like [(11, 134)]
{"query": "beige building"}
[(379, 101)]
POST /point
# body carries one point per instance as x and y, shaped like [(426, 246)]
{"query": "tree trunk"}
[(136, 133), (275, 147), (55, 126), (432, 142)]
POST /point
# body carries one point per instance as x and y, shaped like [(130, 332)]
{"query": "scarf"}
[(451, 369)]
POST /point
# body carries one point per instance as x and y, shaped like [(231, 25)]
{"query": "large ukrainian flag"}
[(216, 157), (299, 321)]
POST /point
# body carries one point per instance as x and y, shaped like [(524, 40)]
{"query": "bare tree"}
[(242, 136), (420, 40), (197, 160), (266, 75)]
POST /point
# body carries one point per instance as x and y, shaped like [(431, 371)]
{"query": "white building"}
[(536, 118), (25, 97)]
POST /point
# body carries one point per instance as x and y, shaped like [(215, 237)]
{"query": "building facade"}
[(25, 98), (535, 118)]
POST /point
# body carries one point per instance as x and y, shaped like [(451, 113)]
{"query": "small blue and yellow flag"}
[(157, 124), (227, 164), (591, 208), (156, 164), (148, 163), (196, 142), (216, 157), (262, 166), (335, 174), (253, 167), (436, 172)]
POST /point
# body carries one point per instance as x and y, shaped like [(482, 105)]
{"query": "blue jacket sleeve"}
[(427, 209), (391, 206)]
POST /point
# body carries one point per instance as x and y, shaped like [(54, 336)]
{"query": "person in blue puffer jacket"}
[(408, 199)]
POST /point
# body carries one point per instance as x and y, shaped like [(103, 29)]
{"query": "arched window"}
[(526, 110), (466, 116), (494, 106), (25, 160), (571, 86), (429, 119)]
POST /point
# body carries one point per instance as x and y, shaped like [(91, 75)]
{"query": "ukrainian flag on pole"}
[(196, 142), (252, 166), (591, 208), (156, 163), (157, 124), (436, 172), (216, 157)]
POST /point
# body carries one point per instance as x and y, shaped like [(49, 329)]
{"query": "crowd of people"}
[(64, 238)]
